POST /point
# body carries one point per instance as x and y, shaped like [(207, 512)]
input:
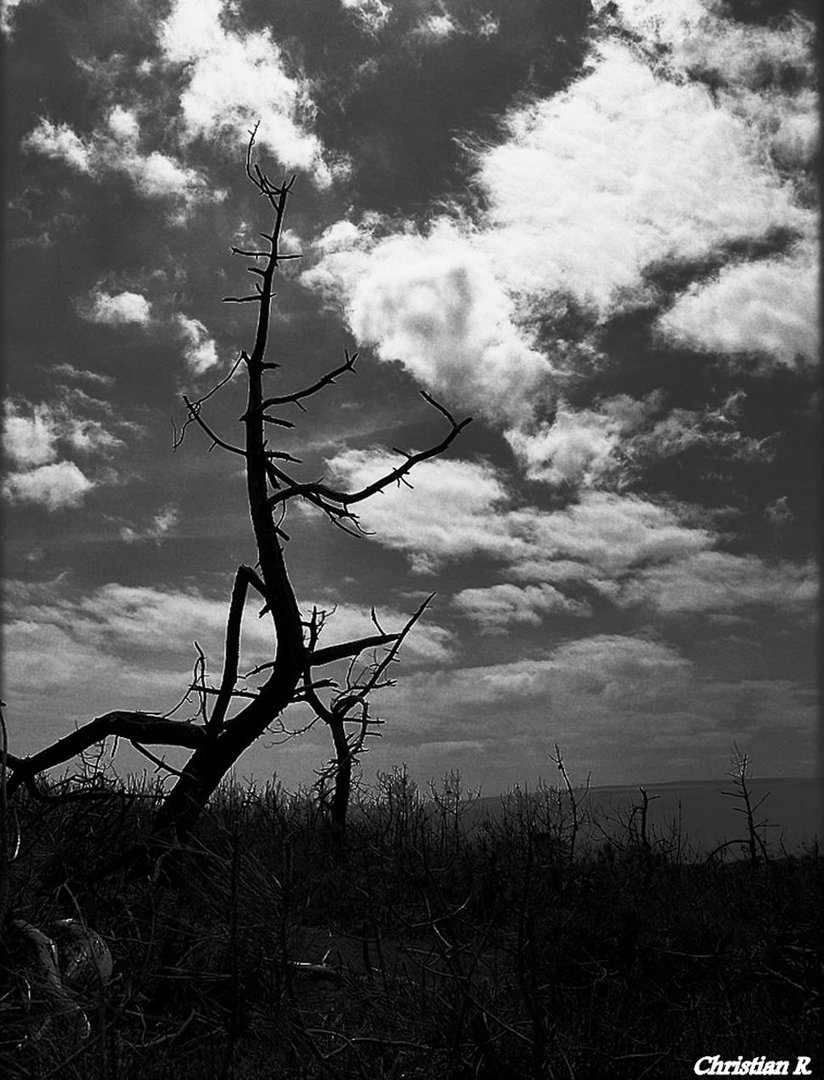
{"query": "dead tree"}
[(231, 719)]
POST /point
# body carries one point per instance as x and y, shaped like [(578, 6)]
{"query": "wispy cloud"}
[(233, 78), (35, 436), (161, 525), (373, 15), (115, 147), (611, 443), (631, 552), (602, 697), (717, 581), (200, 350)]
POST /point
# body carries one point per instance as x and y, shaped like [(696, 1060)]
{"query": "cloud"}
[(373, 15), (632, 552), (427, 643), (34, 435), (623, 170), (138, 642), (133, 621), (459, 509), (116, 148), (69, 371), (496, 607), (609, 444), (765, 74), (658, 19), (200, 351), (769, 307), (433, 304), (56, 486), (449, 514), (578, 447), (31, 439), (234, 79), (436, 28), (59, 142), (125, 308), (605, 532), (631, 168), (605, 670), (778, 513), (117, 309), (717, 581), (162, 524)]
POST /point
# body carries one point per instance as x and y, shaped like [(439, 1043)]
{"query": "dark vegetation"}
[(438, 943)]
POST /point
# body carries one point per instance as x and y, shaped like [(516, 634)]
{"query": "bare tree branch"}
[(324, 381), (243, 578), (350, 648), (194, 414), (134, 726), (347, 498)]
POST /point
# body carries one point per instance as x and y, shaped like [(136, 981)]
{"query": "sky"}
[(591, 227)]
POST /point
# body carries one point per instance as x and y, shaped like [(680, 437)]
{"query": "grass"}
[(430, 949)]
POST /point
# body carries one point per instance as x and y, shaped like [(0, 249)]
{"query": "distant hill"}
[(793, 810)]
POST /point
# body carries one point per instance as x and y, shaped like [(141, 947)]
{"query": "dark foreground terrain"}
[(426, 949)]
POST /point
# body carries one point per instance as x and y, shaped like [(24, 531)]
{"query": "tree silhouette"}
[(220, 734)]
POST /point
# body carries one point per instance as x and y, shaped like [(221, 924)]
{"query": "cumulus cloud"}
[(436, 27), (459, 509), (29, 438), (59, 142), (632, 167), (234, 79), (56, 486), (34, 437), (32, 433), (116, 147), (578, 447), (769, 307), (200, 350), (497, 607), (623, 170), (765, 74), (433, 304), (118, 309), (448, 515)]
